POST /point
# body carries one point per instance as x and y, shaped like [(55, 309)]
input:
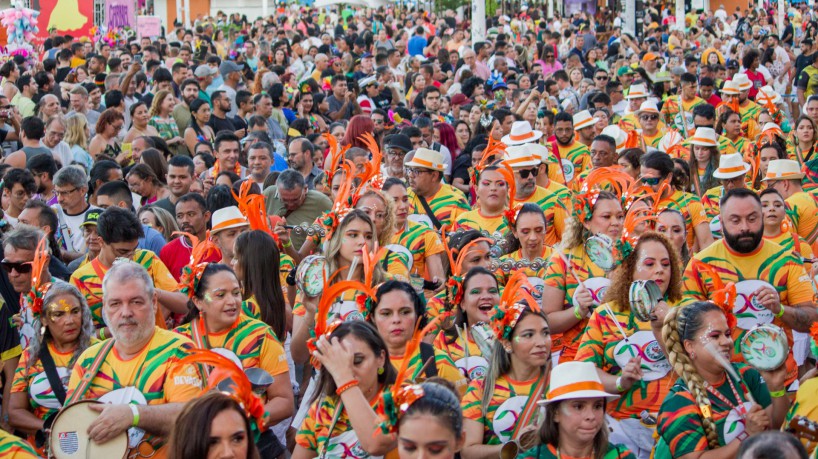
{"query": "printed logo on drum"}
[(69, 442), (653, 351)]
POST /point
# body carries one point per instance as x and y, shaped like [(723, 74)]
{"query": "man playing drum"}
[(771, 285), (136, 373)]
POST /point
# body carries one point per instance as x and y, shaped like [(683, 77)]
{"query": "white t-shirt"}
[(62, 153), (70, 233)]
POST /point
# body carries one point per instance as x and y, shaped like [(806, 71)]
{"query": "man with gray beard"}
[(141, 359)]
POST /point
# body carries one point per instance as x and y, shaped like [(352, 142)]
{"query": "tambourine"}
[(765, 347), (599, 248), (308, 230), (309, 276), (510, 265), (643, 297), (259, 379), (69, 437)]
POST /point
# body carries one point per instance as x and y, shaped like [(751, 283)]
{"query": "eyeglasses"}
[(649, 117), (396, 153), (20, 267), (412, 172), (65, 193), (601, 78), (526, 172)]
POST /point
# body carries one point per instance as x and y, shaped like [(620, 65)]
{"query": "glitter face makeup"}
[(208, 297), (60, 306)]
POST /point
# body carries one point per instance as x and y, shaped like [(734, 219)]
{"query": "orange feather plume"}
[(508, 312), (39, 285), (224, 368), (616, 179), (328, 297), (768, 101), (373, 167), (723, 295)]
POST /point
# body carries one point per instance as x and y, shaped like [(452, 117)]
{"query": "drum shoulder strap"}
[(89, 376), (51, 373), (429, 212), (427, 351)]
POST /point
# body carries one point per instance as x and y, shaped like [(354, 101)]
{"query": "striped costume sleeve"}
[(12, 447), (307, 435), (680, 424), (592, 347), (472, 402)]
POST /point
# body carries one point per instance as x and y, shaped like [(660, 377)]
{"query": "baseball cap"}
[(204, 71), (399, 141), (228, 67), (460, 99), (649, 57), (91, 217), (624, 70)]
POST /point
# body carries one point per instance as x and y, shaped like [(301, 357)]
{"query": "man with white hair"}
[(142, 382)]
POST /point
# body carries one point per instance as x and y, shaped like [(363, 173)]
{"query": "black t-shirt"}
[(787, 37), (801, 62), (221, 124), (460, 168), (62, 72), (239, 123), (383, 100)]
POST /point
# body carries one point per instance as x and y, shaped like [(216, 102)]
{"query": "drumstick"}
[(616, 322), (571, 267), (352, 267), (711, 348)]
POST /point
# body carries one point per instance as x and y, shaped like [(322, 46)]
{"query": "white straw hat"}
[(226, 218), (573, 380), (731, 166), (783, 169), (521, 133)]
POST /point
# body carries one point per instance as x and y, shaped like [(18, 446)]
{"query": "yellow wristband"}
[(778, 393), (287, 244), (780, 312), (577, 314), (135, 412)]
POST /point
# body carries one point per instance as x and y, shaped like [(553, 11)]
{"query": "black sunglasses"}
[(526, 172), (603, 77), (649, 117), (20, 267)]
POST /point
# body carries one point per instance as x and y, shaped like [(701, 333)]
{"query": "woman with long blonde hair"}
[(76, 136), (708, 412)]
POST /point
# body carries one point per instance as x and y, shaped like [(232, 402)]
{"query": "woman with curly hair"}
[(629, 359)]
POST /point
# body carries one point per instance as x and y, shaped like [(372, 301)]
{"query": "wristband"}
[(135, 412), (778, 393), (102, 333), (577, 314), (619, 387), (346, 387), (780, 313), (742, 436), (287, 245)]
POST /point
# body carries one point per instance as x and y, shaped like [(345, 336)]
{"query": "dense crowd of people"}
[(345, 232)]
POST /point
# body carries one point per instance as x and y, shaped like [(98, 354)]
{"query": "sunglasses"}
[(20, 267), (649, 117), (526, 172), (602, 78), (650, 181)]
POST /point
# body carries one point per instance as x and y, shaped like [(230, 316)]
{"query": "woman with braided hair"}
[(708, 412)]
